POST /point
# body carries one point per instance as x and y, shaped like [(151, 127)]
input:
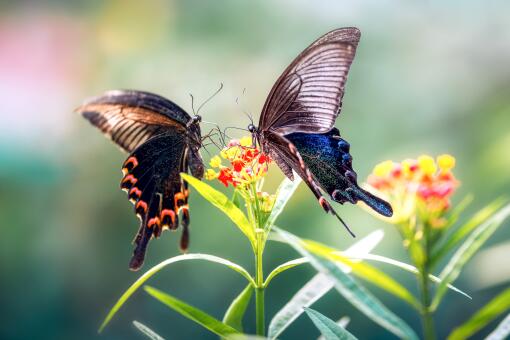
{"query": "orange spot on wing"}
[(178, 197), (153, 221), (141, 207), (129, 164), (167, 214)]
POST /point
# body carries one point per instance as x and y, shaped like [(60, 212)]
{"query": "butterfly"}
[(296, 127), (162, 141)]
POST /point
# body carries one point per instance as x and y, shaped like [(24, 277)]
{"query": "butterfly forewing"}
[(307, 96), (130, 117)]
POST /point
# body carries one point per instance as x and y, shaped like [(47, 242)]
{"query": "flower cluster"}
[(247, 164), (422, 186)]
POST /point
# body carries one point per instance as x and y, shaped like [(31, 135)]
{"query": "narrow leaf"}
[(192, 313), (317, 287), (502, 331), (328, 328), (364, 271), (147, 331), (283, 267), (141, 280), (451, 241), (407, 267), (284, 193), (220, 201), (474, 241), (353, 292), (235, 312), (497, 306)]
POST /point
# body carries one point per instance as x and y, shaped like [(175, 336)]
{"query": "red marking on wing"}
[(134, 194), (129, 164), (153, 221), (128, 182), (141, 207), (168, 218)]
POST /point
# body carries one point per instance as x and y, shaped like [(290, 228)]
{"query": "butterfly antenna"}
[(211, 97), (192, 104)]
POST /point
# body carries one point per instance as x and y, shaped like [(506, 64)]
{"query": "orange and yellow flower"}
[(247, 164), (420, 186)]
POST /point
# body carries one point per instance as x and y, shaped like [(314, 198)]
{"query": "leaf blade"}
[(284, 193), (317, 287), (480, 217), (220, 201), (205, 320), (364, 271), (147, 331), (502, 330), (148, 274), (474, 241), (353, 292), (328, 328), (497, 306), (235, 312)]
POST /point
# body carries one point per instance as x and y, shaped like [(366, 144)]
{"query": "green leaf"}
[(406, 267), (283, 267), (284, 193), (317, 287), (237, 199), (502, 331), (451, 241), (352, 291), (328, 328), (470, 246), (364, 271), (141, 280), (147, 331), (497, 306), (235, 312), (220, 201), (192, 313)]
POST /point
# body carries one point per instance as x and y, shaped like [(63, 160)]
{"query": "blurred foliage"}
[(429, 77)]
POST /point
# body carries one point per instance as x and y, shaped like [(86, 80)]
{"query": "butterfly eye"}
[(252, 128)]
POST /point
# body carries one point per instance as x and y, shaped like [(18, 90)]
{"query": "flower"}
[(247, 163), (421, 187)]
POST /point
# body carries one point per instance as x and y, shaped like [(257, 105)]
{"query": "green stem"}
[(259, 280), (429, 331)]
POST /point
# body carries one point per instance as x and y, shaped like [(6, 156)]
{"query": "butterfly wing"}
[(162, 144), (308, 95), (286, 156), (129, 118), (153, 183), (328, 158)]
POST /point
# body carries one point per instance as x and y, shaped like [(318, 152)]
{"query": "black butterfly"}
[(162, 141), (296, 125)]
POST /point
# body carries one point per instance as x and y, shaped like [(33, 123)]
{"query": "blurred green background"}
[(428, 77)]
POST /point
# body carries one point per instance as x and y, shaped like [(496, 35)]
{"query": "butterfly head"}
[(195, 120), (252, 129)]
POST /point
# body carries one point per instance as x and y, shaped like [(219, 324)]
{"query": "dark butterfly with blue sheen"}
[(296, 125), (162, 141)]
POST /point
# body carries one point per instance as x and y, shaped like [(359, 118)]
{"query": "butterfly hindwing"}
[(155, 187), (328, 158)]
